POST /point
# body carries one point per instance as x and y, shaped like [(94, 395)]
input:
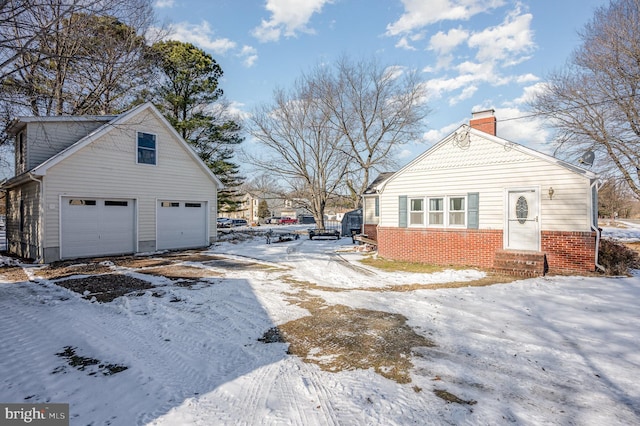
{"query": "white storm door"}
[(523, 226), (181, 224)]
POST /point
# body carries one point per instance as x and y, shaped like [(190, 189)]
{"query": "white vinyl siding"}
[(107, 168), (45, 139), (371, 207), (488, 167)]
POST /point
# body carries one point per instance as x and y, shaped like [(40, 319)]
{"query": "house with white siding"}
[(474, 199), (105, 185)]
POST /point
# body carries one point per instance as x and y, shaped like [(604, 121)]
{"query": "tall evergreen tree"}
[(189, 96)]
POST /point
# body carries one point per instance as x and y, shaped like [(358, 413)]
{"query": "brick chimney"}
[(484, 121)]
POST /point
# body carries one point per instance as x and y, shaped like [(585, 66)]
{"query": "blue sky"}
[(473, 54)]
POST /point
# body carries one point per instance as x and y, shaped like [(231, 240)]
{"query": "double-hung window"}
[(147, 153), (416, 212), (457, 211), (436, 211), (447, 211)]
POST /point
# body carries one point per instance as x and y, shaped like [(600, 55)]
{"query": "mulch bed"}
[(106, 287)]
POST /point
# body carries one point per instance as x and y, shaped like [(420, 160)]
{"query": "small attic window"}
[(146, 148)]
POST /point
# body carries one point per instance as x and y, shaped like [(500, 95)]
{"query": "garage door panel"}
[(96, 227), (181, 224)]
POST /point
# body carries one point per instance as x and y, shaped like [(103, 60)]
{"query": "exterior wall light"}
[(551, 192)]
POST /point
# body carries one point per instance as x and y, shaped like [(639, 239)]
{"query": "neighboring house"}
[(475, 199), (371, 205), (105, 185)]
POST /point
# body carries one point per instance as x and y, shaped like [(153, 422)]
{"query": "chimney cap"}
[(483, 114)]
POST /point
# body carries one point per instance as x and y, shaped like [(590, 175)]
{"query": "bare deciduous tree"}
[(594, 103), (614, 199), (299, 145), (72, 56), (375, 107)]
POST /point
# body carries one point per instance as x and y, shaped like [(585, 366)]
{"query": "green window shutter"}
[(377, 205), (402, 211), (473, 201)]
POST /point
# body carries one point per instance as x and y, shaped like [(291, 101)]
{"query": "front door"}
[(523, 227)]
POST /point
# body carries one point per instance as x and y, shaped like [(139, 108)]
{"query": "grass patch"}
[(449, 397), (13, 274), (83, 363), (338, 338)]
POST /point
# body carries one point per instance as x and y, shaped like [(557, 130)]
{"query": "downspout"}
[(594, 227), (40, 221)]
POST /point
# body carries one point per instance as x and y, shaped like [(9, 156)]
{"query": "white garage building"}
[(105, 185)]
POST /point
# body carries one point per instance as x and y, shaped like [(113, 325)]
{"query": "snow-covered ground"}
[(543, 351)]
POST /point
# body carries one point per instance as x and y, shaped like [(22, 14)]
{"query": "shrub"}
[(616, 258)]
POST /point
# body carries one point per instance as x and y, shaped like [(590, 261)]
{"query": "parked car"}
[(224, 222), (272, 220), (288, 221), (239, 222)]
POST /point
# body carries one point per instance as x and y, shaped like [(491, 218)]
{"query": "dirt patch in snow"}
[(226, 263), (337, 337), (183, 275), (13, 274), (142, 262), (82, 363), (62, 270), (106, 287)]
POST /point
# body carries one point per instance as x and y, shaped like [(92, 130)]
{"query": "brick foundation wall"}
[(465, 247), (569, 252), (371, 231), (566, 252)]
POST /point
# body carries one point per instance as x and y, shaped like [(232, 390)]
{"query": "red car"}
[(288, 221)]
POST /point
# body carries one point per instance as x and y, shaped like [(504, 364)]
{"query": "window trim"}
[(463, 211), (155, 148), (443, 212), (410, 212)]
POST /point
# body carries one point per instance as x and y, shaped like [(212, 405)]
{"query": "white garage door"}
[(96, 227), (181, 224)]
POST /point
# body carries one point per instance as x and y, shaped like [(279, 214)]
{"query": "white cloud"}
[(519, 126), (160, 4), (527, 78), (249, 56), (466, 93), (529, 93), (403, 43), (445, 42), (235, 109), (201, 35), (394, 71), (405, 154), (508, 43), (436, 135), (288, 17), (420, 13)]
